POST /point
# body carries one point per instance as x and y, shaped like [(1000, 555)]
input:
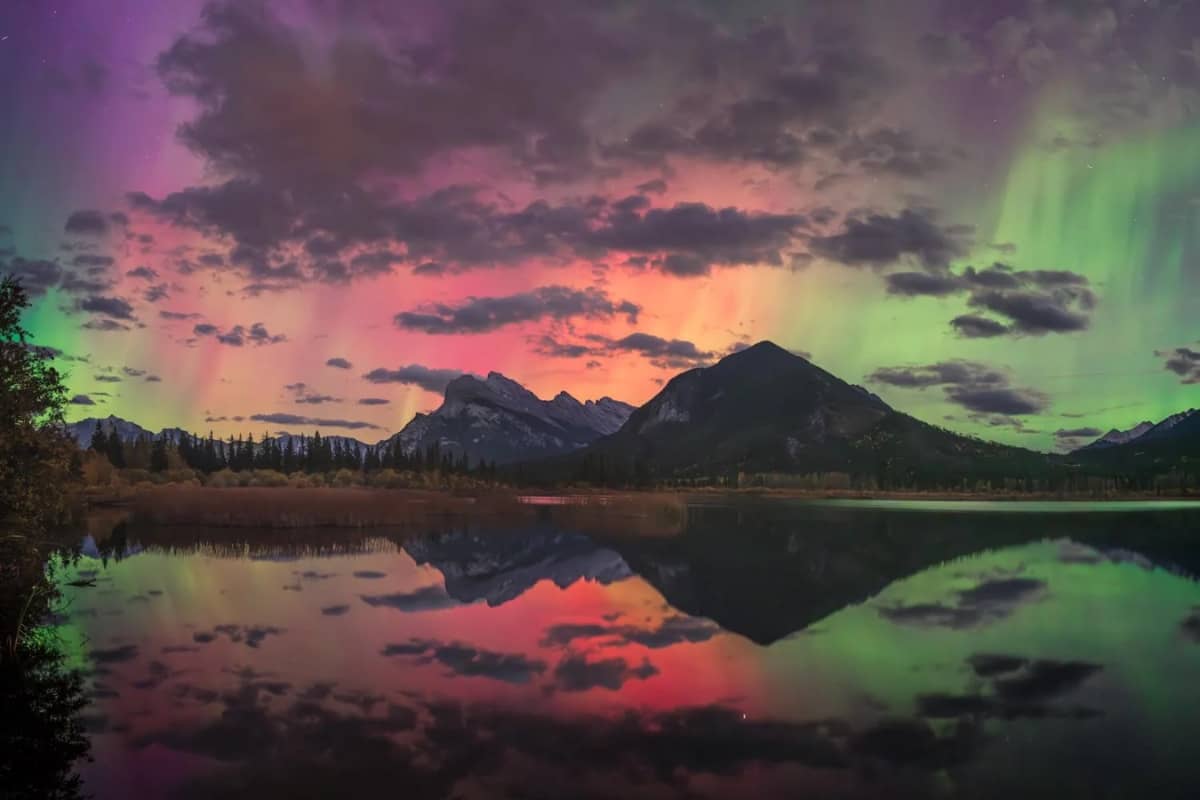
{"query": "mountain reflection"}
[(764, 649)]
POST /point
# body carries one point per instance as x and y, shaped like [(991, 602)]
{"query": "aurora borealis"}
[(984, 212)]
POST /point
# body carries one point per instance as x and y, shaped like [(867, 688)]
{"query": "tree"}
[(158, 455), (35, 451)]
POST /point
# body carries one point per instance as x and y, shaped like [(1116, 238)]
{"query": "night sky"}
[(249, 216)]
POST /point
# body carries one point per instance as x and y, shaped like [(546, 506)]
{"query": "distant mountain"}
[(1172, 445), (765, 409), (1116, 437), (1146, 431), (499, 420), (83, 430)]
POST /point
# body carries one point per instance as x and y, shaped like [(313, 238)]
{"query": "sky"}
[(253, 216)]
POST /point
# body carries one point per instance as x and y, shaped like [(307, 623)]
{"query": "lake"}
[(761, 649)]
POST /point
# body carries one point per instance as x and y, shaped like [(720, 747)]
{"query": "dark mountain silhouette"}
[(767, 410)]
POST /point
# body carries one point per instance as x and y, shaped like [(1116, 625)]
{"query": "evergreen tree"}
[(158, 455), (99, 440), (116, 450)]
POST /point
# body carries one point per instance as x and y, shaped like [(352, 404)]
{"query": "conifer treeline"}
[(308, 454)]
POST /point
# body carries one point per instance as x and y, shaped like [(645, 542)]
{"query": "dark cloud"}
[(427, 598), (373, 401), (301, 393), (1182, 361), (339, 363), (318, 422), (239, 336), (575, 673), (91, 260), (143, 273), (468, 661), (690, 238), (76, 283), (104, 324), (983, 604), (427, 378), (113, 307), (115, 655), (879, 240), (335, 611), (82, 400), (87, 222), (655, 186), (36, 276), (912, 284), (1031, 302), (178, 315), (973, 326), (1077, 433), (249, 635), (1020, 687), (108, 378), (152, 294), (665, 353), (1036, 313), (671, 631), (483, 314), (974, 386)]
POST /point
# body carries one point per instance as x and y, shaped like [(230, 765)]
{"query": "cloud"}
[(688, 239), (469, 661), (319, 422), (178, 315), (108, 378), (426, 598), (143, 273), (1182, 361), (301, 394), (973, 326), (87, 222), (338, 363), (879, 240), (983, 604), (1031, 302), (113, 307), (1077, 433), (483, 314), (373, 401), (82, 400), (37, 276), (427, 378), (662, 353), (974, 386), (239, 336), (574, 673), (671, 631), (104, 324)]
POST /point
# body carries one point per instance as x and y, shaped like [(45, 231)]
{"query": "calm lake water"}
[(762, 650)]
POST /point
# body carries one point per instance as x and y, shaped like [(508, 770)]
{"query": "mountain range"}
[(763, 410), (494, 419)]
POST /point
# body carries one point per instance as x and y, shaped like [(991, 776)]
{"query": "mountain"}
[(1145, 431), (499, 420), (767, 410), (1170, 447), (1115, 437), (82, 430)]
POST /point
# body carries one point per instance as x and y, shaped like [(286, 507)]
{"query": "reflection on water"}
[(765, 650)]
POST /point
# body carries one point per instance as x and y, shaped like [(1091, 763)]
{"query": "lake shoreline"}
[(362, 507)]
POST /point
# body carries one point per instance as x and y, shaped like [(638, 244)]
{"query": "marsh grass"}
[(358, 507)]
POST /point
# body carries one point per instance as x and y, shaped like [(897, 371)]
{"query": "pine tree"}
[(158, 455), (100, 440)]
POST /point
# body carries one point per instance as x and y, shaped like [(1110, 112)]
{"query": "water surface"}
[(760, 650)]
